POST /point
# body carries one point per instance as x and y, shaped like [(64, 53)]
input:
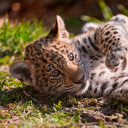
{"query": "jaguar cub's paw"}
[(114, 56)]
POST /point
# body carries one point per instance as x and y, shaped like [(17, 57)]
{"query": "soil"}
[(93, 112)]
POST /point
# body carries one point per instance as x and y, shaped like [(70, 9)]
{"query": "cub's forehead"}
[(48, 46)]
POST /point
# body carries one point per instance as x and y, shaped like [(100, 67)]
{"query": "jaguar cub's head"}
[(51, 64)]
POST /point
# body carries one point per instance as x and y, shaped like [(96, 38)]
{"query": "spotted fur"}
[(93, 64)]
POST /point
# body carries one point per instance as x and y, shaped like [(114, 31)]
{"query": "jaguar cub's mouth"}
[(81, 80)]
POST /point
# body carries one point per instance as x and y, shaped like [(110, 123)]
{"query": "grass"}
[(13, 38), (106, 12)]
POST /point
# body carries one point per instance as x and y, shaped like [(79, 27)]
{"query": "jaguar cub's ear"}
[(58, 29), (22, 70)]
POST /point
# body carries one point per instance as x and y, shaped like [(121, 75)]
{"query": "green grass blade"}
[(123, 9), (90, 19), (106, 11)]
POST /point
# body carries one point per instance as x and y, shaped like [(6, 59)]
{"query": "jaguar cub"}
[(93, 64)]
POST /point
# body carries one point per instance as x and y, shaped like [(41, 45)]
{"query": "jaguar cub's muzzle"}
[(80, 80)]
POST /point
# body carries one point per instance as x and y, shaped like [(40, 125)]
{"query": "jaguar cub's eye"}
[(55, 73), (71, 57)]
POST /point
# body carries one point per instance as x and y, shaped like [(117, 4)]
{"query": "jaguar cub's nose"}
[(80, 80)]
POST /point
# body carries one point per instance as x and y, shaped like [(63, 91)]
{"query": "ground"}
[(18, 109)]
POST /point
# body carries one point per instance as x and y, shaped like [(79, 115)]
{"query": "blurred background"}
[(70, 10), (22, 21)]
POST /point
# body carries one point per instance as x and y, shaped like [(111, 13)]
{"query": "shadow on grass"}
[(28, 93), (90, 110), (16, 95)]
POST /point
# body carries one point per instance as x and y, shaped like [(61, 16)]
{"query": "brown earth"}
[(93, 111)]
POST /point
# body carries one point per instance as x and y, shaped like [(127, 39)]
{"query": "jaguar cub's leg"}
[(89, 26), (111, 38), (121, 19)]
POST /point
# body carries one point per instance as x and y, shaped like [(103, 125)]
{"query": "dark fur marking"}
[(78, 41), (115, 32), (84, 55), (85, 41), (101, 30), (110, 26), (93, 45), (47, 55), (114, 85), (84, 49), (80, 50), (91, 57), (90, 88), (116, 70), (106, 25), (103, 87), (109, 41), (113, 43), (59, 59), (62, 50), (113, 29), (36, 48), (97, 83), (41, 39), (95, 36), (102, 41), (31, 51), (101, 73), (124, 63), (67, 51), (106, 39), (27, 49), (38, 53), (124, 82), (92, 76), (95, 91), (107, 33), (117, 78), (44, 60), (95, 58), (88, 46)]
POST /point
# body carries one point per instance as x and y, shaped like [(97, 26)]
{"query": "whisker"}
[(91, 60), (73, 89)]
